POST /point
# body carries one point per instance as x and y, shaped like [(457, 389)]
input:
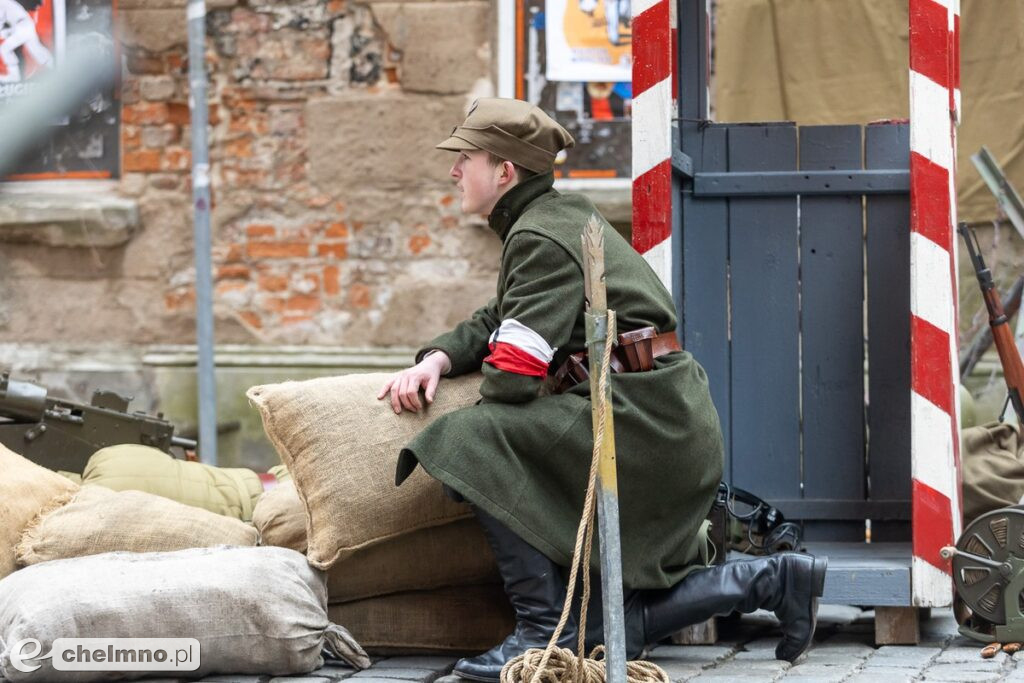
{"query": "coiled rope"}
[(558, 664)]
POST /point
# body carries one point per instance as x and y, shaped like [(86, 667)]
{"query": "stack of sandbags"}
[(26, 490), (253, 610), (409, 569), (229, 491), (98, 520), (993, 468)]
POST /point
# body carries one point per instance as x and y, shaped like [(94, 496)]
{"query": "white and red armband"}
[(518, 349)]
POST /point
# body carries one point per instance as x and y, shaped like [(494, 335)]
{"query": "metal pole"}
[(201, 203), (600, 333)]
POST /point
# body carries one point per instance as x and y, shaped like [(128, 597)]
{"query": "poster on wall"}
[(32, 37), (588, 40), (35, 36), (596, 112)]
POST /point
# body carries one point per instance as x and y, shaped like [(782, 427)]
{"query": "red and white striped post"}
[(653, 110), (934, 423)]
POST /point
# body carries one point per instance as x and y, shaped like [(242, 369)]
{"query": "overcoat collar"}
[(514, 202)]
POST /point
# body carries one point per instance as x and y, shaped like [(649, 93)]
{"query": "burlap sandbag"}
[(993, 473), (98, 520), (26, 489), (341, 446), (230, 491), (462, 619), (280, 518), (253, 610), (453, 554)]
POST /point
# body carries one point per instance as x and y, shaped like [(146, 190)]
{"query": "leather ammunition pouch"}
[(635, 352)]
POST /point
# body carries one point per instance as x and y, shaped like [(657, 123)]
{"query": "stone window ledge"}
[(67, 214)]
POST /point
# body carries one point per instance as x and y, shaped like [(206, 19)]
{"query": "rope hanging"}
[(557, 664)]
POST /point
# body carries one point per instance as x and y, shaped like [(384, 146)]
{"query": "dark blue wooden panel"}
[(765, 321), (888, 278), (705, 259), (832, 327)]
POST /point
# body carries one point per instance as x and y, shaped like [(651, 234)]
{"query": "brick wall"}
[(334, 221)]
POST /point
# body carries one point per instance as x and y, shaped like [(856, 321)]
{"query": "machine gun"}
[(62, 435)]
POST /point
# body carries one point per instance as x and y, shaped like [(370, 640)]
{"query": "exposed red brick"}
[(235, 253), (260, 230), (338, 229), (331, 285), (303, 302), (447, 200), (233, 272), (143, 160), (240, 148), (226, 286), (259, 250), (179, 299), (292, 319), (178, 113), (450, 222), (273, 283), (359, 296), (145, 113), (338, 250), (418, 243), (273, 304), (251, 318)]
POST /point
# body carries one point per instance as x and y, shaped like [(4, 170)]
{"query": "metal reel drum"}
[(988, 572)]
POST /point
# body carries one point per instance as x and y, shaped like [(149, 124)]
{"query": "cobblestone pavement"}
[(843, 651)]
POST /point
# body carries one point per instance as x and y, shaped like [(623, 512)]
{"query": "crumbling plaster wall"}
[(334, 221)]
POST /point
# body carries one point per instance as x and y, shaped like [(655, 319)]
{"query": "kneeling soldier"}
[(521, 455)]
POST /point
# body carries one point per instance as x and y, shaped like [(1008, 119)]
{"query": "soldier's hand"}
[(404, 387)]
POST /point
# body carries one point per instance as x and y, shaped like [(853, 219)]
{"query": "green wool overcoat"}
[(523, 455)]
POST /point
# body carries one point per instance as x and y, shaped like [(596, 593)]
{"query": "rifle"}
[(1009, 356), (63, 435)]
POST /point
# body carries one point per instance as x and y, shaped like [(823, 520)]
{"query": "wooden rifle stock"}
[(1009, 356)]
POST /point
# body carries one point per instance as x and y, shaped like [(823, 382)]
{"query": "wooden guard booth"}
[(814, 270)]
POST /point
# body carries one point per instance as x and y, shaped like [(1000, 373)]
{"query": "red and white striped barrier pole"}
[(934, 423), (653, 110)]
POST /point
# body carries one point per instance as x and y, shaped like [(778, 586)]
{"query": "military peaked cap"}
[(513, 130)]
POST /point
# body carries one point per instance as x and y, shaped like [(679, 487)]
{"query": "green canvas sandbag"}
[(227, 491)]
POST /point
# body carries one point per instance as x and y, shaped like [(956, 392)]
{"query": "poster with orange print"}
[(588, 40), (31, 41)]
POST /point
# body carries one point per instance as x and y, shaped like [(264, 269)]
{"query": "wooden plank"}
[(832, 328), (765, 320), (705, 261), (863, 573), (705, 633), (888, 281), (897, 626)]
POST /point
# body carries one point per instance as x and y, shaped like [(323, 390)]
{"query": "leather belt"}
[(635, 352)]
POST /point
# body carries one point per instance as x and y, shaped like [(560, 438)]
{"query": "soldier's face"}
[(480, 183)]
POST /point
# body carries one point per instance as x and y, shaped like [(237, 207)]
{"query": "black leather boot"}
[(789, 584), (536, 589)]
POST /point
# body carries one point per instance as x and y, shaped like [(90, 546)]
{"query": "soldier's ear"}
[(508, 172)]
